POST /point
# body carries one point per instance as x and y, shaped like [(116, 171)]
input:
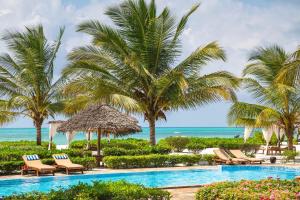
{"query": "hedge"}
[(11, 155), (24, 144), (9, 167), (117, 151), (129, 143), (126, 162), (99, 190), (268, 189), (196, 144)]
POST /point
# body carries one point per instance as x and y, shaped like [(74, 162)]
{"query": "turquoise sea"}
[(15, 134)]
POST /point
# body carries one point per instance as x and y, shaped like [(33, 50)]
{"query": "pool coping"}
[(97, 171)]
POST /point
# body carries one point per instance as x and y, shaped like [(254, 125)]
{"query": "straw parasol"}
[(102, 119)]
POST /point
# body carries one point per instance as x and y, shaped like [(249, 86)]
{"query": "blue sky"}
[(239, 27)]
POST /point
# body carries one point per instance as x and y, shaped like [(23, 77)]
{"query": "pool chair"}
[(239, 154), (224, 158), (33, 162), (62, 161)]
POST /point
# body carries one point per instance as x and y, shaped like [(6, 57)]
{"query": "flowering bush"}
[(268, 189), (119, 190)]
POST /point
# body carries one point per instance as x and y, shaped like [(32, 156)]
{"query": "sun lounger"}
[(63, 161), (239, 154), (33, 162), (223, 157)]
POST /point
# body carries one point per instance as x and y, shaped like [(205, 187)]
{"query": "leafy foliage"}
[(290, 155), (177, 143), (154, 160), (276, 90), (256, 190), (27, 84), (134, 64), (129, 143), (196, 143), (11, 155), (96, 191)]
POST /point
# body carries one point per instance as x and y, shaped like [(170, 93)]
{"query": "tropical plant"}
[(267, 189), (134, 66), (276, 90), (95, 191), (26, 73), (290, 155)]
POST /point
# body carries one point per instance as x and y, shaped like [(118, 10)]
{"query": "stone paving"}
[(106, 170), (183, 193)]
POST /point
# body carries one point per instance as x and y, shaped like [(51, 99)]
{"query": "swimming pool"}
[(151, 178)]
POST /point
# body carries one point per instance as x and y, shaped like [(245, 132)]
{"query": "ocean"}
[(15, 134)]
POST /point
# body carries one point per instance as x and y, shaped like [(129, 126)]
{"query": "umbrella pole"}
[(98, 158)]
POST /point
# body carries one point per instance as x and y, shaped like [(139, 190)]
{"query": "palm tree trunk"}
[(99, 158), (290, 143), (290, 136), (151, 121), (38, 126)]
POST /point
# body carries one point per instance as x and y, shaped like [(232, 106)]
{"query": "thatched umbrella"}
[(103, 119)]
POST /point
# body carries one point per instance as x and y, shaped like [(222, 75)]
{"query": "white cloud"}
[(4, 12)]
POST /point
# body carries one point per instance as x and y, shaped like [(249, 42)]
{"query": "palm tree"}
[(134, 66), (276, 90), (26, 73)]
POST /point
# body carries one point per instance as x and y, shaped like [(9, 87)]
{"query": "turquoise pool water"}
[(151, 179), (14, 134)]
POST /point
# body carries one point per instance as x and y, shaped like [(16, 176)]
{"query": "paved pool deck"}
[(108, 171)]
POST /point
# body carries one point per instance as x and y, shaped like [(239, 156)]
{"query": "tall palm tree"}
[(26, 77), (276, 90), (134, 64)]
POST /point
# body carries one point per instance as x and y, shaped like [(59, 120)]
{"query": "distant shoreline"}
[(16, 134)]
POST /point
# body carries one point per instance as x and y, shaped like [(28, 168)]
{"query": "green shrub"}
[(259, 138), (154, 160), (8, 167), (11, 155), (129, 143), (87, 162), (118, 151), (255, 190), (177, 143), (208, 158), (119, 190), (195, 147), (290, 155), (76, 152), (196, 143), (24, 143)]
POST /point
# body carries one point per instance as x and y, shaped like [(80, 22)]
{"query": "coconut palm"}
[(276, 90), (26, 73), (134, 64)]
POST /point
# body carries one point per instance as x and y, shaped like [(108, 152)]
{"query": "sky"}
[(239, 26)]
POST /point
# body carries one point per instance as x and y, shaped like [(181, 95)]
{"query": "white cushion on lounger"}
[(32, 157)]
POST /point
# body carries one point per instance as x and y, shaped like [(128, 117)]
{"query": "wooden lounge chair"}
[(224, 158), (33, 162), (239, 154), (63, 161)]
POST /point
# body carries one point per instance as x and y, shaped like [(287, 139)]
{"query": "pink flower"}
[(272, 197)]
